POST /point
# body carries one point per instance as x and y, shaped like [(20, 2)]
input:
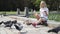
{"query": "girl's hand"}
[(46, 13)]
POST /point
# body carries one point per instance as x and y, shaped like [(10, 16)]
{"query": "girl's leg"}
[(40, 20), (43, 22), (37, 16)]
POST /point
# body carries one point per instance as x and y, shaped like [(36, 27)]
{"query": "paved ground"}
[(26, 29)]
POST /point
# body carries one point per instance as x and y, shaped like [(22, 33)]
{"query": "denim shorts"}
[(44, 18)]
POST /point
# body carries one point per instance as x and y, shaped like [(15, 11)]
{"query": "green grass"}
[(51, 16), (55, 17), (8, 12)]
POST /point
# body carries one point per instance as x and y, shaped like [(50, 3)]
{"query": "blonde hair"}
[(44, 4)]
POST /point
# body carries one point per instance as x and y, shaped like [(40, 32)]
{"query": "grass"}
[(55, 17), (8, 12), (52, 16)]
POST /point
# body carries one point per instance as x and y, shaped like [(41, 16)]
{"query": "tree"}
[(53, 4), (34, 4)]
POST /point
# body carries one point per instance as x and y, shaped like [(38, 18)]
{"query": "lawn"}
[(8, 12), (55, 16), (52, 16)]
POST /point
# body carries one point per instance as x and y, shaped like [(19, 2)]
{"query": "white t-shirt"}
[(42, 13)]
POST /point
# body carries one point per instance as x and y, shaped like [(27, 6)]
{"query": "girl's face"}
[(43, 5)]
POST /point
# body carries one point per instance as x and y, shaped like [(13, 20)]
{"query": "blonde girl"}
[(43, 16)]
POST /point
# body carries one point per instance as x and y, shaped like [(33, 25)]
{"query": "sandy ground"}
[(26, 29)]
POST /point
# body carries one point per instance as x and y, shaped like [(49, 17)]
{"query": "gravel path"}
[(26, 29)]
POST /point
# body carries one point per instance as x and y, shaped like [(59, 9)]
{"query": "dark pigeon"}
[(8, 24), (1, 22), (18, 26), (55, 30), (14, 22)]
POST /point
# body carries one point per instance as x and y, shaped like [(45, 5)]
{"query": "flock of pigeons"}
[(19, 27), (10, 23)]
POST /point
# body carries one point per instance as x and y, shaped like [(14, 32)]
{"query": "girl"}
[(43, 16)]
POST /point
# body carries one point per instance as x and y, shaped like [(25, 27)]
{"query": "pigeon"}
[(28, 23), (18, 26), (55, 30), (8, 24), (14, 22), (1, 22)]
